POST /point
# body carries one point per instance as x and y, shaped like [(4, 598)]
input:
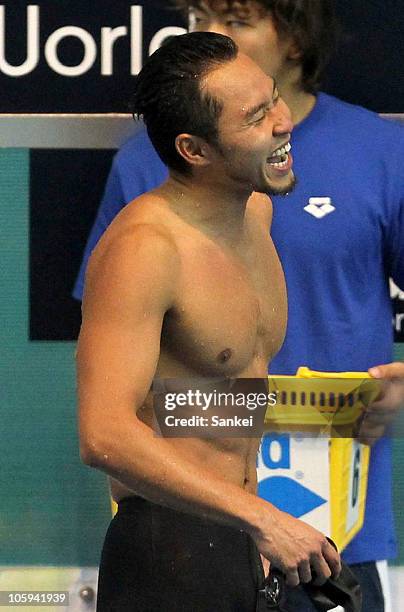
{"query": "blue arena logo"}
[(289, 496), (282, 491)]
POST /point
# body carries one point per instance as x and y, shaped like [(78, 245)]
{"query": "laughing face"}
[(254, 128)]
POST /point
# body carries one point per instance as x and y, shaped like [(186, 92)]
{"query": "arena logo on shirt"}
[(319, 207)]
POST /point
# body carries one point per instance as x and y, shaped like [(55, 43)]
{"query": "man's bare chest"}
[(229, 312)]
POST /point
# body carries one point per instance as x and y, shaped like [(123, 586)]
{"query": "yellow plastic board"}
[(319, 403)]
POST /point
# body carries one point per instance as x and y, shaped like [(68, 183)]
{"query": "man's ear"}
[(294, 51), (193, 149)]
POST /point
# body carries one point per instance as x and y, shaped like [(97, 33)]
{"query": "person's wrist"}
[(257, 518)]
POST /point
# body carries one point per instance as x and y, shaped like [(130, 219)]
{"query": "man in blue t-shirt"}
[(340, 234)]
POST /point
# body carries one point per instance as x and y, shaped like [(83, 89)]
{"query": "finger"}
[(333, 559), (388, 370), (292, 577), (321, 571), (305, 572), (378, 417), (393, 397), (265, 565)]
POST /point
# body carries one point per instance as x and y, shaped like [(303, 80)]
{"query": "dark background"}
[(367, 70), (45, 91), (62, 210)]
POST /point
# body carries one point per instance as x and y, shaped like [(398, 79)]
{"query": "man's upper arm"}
[(130, 287)]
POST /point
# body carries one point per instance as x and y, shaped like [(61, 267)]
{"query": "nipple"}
[(225, 355)]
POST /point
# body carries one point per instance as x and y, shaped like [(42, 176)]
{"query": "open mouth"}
[(280, 157)]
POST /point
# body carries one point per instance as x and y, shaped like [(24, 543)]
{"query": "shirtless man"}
[(186, 283)]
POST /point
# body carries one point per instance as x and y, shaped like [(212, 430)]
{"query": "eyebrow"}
[(255, 109)]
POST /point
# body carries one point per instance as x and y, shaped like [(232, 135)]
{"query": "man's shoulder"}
[(259, 207), (140, 225), (147, 216), (136, 240), (344, 108), (340, 113)]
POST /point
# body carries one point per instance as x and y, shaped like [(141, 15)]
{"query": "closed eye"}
[(263, 114), (234, 23)]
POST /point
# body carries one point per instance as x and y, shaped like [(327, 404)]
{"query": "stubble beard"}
[(268, 189), (281, 191)]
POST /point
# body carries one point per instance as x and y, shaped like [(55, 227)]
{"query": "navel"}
[(225, 355)]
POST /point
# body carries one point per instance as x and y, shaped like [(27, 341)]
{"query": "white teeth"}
[(281, 164), (282, 150)]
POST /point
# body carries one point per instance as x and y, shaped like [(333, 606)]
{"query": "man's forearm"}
[(152, 468)]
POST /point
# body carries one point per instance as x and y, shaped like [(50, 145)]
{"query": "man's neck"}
[(300, 102), (217, 212)]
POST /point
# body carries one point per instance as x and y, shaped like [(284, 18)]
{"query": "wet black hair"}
[(170, 97)]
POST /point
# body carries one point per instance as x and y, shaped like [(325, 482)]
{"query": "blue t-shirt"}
[(337, 251), (340, 235)]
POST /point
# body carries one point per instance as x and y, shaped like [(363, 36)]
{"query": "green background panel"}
[(53, 511)]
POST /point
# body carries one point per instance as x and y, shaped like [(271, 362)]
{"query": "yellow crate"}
[(330, 403), (320, 398)]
